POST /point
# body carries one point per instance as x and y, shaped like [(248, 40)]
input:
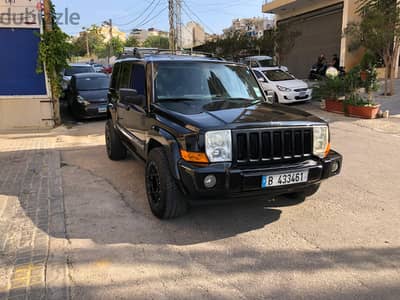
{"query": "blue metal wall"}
[(18, 61)]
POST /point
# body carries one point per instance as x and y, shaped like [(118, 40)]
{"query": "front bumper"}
[(93, 110), (290, 97), (233, 182)]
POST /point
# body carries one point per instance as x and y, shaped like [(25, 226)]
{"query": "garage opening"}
[(320, 33)]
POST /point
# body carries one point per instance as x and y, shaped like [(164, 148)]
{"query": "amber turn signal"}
[(197, 157), (327, 150)]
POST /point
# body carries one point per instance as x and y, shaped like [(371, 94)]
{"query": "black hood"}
[(94, 95), (233, 114)]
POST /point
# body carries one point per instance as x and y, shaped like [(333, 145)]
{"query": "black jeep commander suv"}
[(207, 134)]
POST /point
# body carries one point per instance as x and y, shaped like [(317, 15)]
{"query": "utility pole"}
[(178, 23), (110, 33), (48, 27), (87, 41), (172, 38)]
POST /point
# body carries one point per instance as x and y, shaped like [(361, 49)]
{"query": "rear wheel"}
[(115, 149), (165, 199)]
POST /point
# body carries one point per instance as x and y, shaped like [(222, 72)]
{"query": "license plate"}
[(284, 179), (302, 94), (102, 109)]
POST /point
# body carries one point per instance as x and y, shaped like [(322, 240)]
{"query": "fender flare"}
[(171, 147)]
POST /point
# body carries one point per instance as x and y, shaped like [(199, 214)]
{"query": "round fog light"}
[(210, 181), (335, 167)]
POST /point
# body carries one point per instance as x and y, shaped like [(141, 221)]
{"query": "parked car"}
[(207, 134), (98, 68), (262, 62), (286, 88), (87, 95), (75, 69), (108, 69)]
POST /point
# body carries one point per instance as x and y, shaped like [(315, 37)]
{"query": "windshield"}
[(204, 81), (278, 75), (92, 83), (78, 69), (266, 63)]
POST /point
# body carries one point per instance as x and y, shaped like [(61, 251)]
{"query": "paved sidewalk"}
[(31, 210)]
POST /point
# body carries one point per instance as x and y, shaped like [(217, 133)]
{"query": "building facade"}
[(320, 24), (142, 34), (193, 35), (24, 94), (254, 27), (116, 33)]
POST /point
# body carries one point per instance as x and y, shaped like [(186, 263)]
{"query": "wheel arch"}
[(163, 139)]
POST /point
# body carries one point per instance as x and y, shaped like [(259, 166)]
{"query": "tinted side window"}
[(115, 76), (139, 79), (125, 76)]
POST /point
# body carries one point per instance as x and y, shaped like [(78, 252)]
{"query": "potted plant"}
[(331, 90), (355, 104)]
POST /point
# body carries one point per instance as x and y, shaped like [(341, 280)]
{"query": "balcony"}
[(286, 6)]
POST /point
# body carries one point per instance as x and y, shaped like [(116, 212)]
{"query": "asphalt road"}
[(342, 243)]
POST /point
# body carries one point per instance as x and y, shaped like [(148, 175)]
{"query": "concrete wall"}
[(22, 113)]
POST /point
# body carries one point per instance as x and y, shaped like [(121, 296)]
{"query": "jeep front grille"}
[(254, 146)]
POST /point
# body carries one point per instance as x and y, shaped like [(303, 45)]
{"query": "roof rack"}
[(135, 52)]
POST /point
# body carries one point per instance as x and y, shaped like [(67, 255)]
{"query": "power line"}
[(145, 20), (140, 15), (185, 6), (155, 16)]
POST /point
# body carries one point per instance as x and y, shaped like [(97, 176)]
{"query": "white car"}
[(262, 61), (75, 69), (286, 88)]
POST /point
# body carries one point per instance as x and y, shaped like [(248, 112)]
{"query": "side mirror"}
[(130, 96), (262, 79)]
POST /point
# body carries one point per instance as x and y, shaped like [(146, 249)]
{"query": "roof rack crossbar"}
[(135, 52)]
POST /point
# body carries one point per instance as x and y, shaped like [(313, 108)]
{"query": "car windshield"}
[(92, 83), (205, 81), (278, 75), (77, 70), (266, 63)]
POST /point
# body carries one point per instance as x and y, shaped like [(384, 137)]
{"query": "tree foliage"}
[(54, 52), (156, 42), (91, 36), (379, 32), (276, 43), (132, 41)]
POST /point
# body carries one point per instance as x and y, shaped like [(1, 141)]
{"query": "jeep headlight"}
[(321, 141), (219, 146)]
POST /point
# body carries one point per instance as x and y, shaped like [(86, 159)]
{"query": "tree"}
[(131, 42), (54, 52), (93, 37), (379, 32), (156, 42)]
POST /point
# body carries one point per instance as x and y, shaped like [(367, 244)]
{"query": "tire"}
[(115, 149), (308, 192), (165, 199), (276, 99)]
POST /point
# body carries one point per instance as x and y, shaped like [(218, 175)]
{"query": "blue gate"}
[(18, 61)]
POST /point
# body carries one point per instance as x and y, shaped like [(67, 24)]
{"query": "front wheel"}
[(115, 149), (165, 199)]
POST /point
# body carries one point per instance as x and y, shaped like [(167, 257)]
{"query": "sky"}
[(213, 15)]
